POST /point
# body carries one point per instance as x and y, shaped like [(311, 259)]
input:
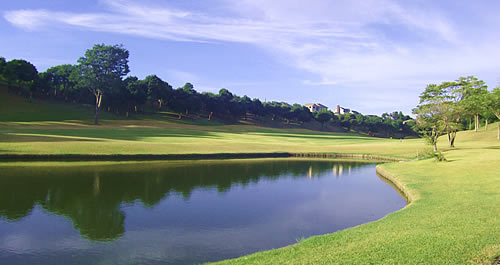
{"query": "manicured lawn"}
[(454, 217), (38, 127), (147, 137)]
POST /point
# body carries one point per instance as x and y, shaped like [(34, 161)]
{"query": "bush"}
[(439, 157)]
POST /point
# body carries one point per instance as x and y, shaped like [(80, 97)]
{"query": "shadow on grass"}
[(41, 138), (320, 137), (93, 135)]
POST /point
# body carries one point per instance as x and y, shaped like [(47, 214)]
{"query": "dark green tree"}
[(158, 91), (62, 81), (102, 69), (137, 91), (323, 116), (3, 63), (23, 74)]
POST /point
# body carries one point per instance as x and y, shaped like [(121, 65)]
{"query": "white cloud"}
[(344, 43)]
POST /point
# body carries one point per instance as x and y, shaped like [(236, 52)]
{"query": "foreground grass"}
[(454, 217)]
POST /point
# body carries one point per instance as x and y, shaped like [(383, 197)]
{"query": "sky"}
[(372, 56)]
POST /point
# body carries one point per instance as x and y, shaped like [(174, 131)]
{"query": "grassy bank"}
[(453, 218)]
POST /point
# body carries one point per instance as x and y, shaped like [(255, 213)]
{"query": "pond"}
[(179, 212)]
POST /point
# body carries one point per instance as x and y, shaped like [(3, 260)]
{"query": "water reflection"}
[(92, 196)]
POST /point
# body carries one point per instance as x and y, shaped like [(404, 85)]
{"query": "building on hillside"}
[(313, 107), (339, 110)]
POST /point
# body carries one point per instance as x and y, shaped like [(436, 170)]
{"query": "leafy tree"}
[(257, 108), (430, 113), (137, 92), (493, 105), (272, 108), (3, 63), (158, 91), (301, 113), (21, 72), (185, 99), (428, 121), (449, 102), (472, 95), (236, 108), (211, 104), (323, 116), (62, 80), (102, 68)]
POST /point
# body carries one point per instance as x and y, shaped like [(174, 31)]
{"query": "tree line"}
[(449, 107), (100, 78)]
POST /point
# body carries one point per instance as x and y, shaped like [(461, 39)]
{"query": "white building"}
[(313, 107), (339, 110)]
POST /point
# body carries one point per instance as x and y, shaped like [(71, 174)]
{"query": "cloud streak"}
[(349, 44)]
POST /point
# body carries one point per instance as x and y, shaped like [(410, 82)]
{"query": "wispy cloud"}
[(344, 43)]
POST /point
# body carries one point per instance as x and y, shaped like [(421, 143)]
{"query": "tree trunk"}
[(499, 131), (98, 98), (486, 125), (453, 135), (210, 115), (435, 147), (476, 117)]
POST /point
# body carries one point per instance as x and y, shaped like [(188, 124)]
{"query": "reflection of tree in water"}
[(91, 196)]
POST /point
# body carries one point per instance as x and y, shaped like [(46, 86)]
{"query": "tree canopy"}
[(102, 68)]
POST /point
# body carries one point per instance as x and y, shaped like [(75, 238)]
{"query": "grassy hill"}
[(41, 127)]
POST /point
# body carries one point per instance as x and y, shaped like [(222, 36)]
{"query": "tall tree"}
[(493, 101), (2, 66), (471, 93), (158, 91), (102, 68), (430, 113), (323, 116), (21, 72), (61, 80), (137, 91)]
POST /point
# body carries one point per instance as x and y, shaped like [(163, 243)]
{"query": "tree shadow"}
[(319, 137), (11, 138)]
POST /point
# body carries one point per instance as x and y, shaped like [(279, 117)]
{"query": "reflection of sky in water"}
[(204, 225)]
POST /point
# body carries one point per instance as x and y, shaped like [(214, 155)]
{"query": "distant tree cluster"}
[(100, 78), (451, 106)]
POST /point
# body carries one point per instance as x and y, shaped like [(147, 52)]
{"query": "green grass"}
[(454, 217), (41, 127)]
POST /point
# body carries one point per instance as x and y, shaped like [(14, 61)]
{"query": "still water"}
[(179, 212)]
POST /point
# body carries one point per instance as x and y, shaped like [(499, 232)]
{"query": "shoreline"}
[(167, 157)]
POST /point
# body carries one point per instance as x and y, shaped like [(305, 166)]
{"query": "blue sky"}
[(371, 56)]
